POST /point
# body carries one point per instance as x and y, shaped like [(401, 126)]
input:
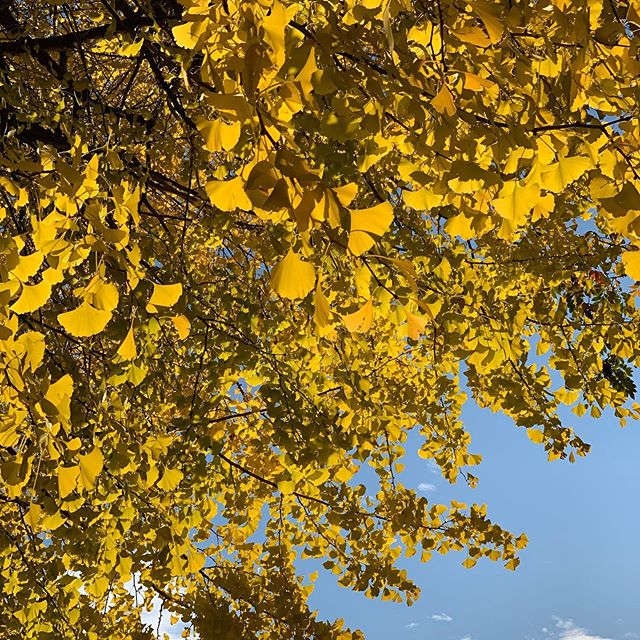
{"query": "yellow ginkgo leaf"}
[(631, 262), (322, 310), (422, 200), (131, 50), (443, 269), (104, 295), (164, 295), (127, 350), (274, 28), (286, 486), (431, 308), (218, 135), (229, 134), (460, 225), (67, 480), (59, 395), (415, 325), (346, 193), (462, 185), (170, 479), (361, 320), (53, 276), (443, 101), (515, 202), (549, 68), (182, 325), (535, 435), (90, 466), (86, 320), (367, 223), (473, 35), (474, 82), (74, 444), (32, 297), (28, 266), (490, 17), (512, 564), (33, 515), (228, 195), (61, 388), (34, 346), (407, 268), (543, 207), (557, 176), (293, 277), (187, 35)]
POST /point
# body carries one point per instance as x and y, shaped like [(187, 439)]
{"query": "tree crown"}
[(247, 246)]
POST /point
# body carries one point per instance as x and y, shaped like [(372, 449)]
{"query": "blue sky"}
[(580, 575)]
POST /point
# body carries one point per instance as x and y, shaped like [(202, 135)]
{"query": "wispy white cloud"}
[(441, 617), (467, 637), (412, 625), (569, 630), (433, 467), (426, 487)]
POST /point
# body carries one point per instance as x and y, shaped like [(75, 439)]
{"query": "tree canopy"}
[(247, 246)]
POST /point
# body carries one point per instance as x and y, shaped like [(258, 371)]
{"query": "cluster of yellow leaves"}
[(247, 246)]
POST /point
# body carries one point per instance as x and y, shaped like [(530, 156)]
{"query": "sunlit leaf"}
[(164, 295), (367, 224), (32, 297), (360, 320), (85, 320), (293, 277), (90, 466)]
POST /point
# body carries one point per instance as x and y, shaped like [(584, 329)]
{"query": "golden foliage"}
[(248, 245)]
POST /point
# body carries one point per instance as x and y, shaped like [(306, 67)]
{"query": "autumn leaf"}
[(164, 295), (443, 101), (182, 325), (515, 202), (90, 466), (85, 320), (28, 266), (219, 135), (415, 325), (127, 349), (170, 479), (228, 195), (103, 295), (367, 224), (631, 262), (32, 297), (557, 176), (293, 277), (361, 320), (535, 435), (67, 480), (186, 35), (322, 310), (423, 199)]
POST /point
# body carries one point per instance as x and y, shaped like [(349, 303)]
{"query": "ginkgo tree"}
[(247, 246)]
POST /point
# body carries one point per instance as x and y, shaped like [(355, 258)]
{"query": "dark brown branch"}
[(70, 40)]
